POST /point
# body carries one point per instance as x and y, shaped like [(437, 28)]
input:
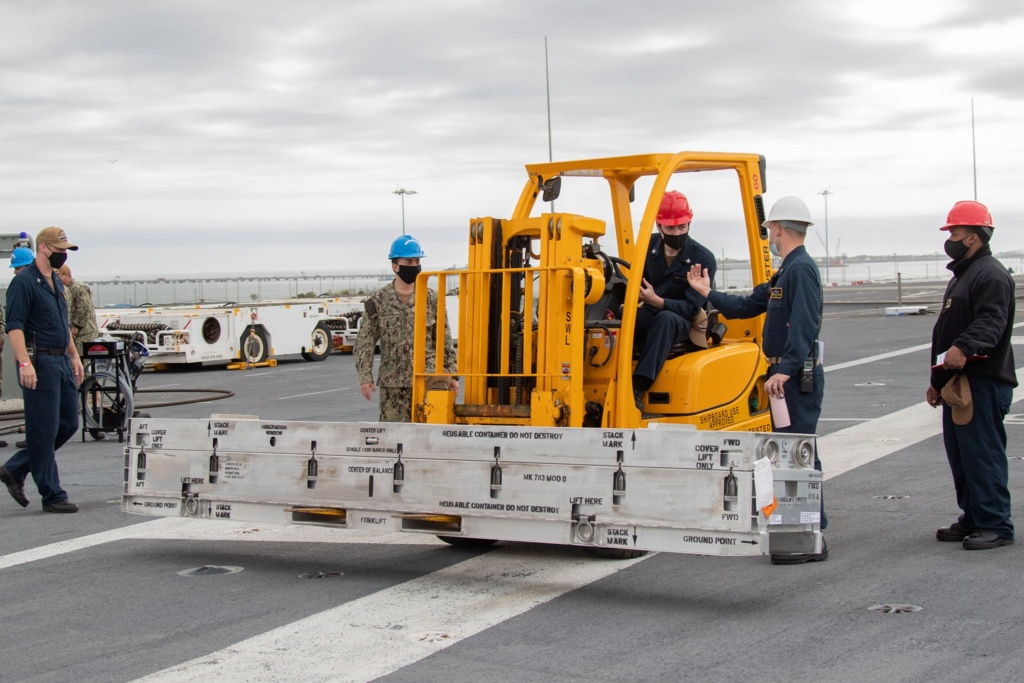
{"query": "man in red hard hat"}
[(667, 303), (973, 377)]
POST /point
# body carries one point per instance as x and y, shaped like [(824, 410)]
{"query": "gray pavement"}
[(118, 610)]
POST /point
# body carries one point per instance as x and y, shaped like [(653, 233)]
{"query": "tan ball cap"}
[(55, 237), (957, 395)]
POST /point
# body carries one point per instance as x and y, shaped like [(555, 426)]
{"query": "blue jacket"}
[(793, 300)]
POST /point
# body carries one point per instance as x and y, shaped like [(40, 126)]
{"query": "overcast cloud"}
[(269, 136)]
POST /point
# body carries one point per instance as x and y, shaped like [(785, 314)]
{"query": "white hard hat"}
[(789, 209)]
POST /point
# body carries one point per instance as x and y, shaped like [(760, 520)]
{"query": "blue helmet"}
[(406, 246), (21, 256)]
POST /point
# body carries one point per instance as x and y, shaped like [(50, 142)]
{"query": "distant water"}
[(189, 289)]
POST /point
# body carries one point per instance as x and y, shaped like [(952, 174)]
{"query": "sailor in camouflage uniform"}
[(390, 320), (81, 314)]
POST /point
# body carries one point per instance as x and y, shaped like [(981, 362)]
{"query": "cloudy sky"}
[(270, 136)]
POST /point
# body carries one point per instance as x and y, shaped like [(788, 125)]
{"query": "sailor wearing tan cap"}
[(49, 371)]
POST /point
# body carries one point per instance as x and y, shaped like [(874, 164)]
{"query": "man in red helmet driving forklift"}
[(667, 302)]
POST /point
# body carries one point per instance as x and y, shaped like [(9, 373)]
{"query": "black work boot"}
[(801, 558), (954, 533), (638, 399), (14, 487)]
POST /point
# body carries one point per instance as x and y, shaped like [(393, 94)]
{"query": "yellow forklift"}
[(547, 314)]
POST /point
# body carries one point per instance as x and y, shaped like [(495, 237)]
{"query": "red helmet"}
[(675, 210), (968, 214)]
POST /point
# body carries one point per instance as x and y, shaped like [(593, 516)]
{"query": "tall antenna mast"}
[(547, 84), (547, 80), (974, 154)]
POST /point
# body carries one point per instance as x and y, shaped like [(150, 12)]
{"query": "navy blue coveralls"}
[(51, 409), (657, 330), (977, 317), (793, 301)]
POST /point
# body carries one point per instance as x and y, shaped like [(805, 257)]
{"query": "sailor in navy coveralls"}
[(793, 302), (49, 371)]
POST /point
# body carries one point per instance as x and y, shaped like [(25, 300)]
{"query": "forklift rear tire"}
[(616, 553), (463, 542)]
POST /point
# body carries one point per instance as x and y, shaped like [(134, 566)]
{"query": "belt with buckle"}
[(775, 360), (52, 350)]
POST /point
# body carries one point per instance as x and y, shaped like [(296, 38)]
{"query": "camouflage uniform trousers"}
[(395, 404)]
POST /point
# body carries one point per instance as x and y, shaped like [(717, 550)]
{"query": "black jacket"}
[(670, 283), (977, 317)]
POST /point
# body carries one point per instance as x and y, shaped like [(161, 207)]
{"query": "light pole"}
[(825, 194), (401, 192)]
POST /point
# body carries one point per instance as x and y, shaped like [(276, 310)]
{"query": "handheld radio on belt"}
[(807, 371)]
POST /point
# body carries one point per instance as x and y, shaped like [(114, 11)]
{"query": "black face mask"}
[(676, 242), (57, 259), (407, 274), (955, 250)]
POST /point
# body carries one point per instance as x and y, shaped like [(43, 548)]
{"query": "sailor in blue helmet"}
[(792, 300), (389, 320), (20, 258)]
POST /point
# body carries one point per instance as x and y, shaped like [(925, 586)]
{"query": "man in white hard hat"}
[(793, 302)]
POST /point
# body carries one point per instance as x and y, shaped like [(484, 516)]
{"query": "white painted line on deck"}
[(258, 374), (178, 528), (313, 393), (375, 635), (890, 354), (162, 386), (860, 444), (873, 359)]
